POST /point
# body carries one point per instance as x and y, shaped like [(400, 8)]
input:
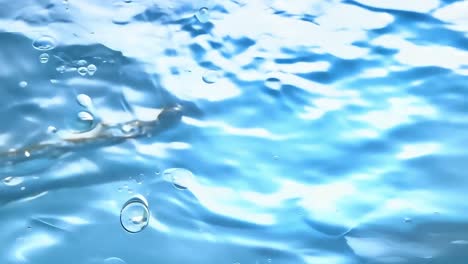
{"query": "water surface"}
[(255, 132)]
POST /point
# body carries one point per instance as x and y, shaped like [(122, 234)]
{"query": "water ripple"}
[(257, 131)]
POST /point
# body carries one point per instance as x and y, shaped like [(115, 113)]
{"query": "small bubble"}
[(408, 220), (181, 178), (459, 242), (51, 129), (12, 181), (85, 116), (82, 71), (114, 260), (130, 191), (61, 68), (44, 58), (91, 69), (23, 188), (127, 128), (134, 215), (27, 154), (127, 1), (44, 43), (53, 81), (84, 100), (139, 178), (273, 83), (81, 62), (23, 84), (275, 157), (203, 15), (211, 77)]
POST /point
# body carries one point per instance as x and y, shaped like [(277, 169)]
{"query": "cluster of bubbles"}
[(47, 43), (135, 215), (44, 43), (84, 69), (210, 76)]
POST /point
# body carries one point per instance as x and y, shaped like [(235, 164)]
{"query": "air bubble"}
[(203, 15), (139, 178), (91, 69), (81, 63), (85, 116), (27, 154), (82, 71), (84, 100), (44, 43), (135, 215), (23, 84), (12, 181), (211, 77), (61, 68), (180, 178), (51, 129), (114, 260), (44, 58)]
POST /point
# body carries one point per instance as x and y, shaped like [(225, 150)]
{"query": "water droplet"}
[(273, 83), (27, 154), (181, 178), (203, 15), (23, 84), (51, 129), (44, 43), (84, 100), (12, 181), (85, 116), (134, 215), (211, 77), (92, 69), (44, 58), (82, 71), (114, 260)]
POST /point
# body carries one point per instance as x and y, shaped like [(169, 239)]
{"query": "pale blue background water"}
[(334, 132)]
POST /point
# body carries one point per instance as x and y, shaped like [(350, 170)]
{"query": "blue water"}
[(306, 131)]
